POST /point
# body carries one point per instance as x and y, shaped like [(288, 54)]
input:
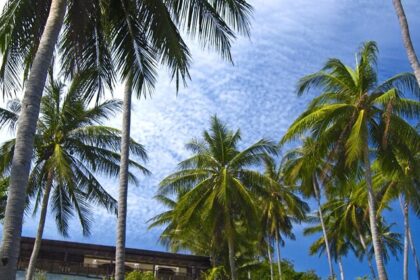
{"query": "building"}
[(97, 261)]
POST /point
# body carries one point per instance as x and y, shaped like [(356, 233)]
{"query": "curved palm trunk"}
[(37, 244), (413, 250), (404, 208), (270, 259), (340, 267), (278, 255), (123, 186), (324, 230), (363, 242), (12, 229), (408, 44), (377, 244)]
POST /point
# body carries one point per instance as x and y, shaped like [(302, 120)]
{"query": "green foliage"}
[(262, 271), (40, 275), (216, 195), (72, 147), (139, 275)]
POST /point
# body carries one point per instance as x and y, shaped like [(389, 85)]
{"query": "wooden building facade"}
[(97, 261)]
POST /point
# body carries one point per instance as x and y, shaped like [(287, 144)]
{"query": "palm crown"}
[(354, 113), (217, 184), (73, 147)]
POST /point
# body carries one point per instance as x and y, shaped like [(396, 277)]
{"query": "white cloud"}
[(289, 39)]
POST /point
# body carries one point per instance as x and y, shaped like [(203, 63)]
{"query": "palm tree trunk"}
[(324, 230), (404, 208), (340, 267), (123, 187), (232, 264), (413, 250), (270, 259), (12, 229), (363, 242), (278, 255), (37, 244), (231, 247), (408, 44), (377, 244)]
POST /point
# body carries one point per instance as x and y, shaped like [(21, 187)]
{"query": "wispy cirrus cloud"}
[(289, 39)]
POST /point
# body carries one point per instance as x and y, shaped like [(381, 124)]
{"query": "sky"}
[(289, 39)]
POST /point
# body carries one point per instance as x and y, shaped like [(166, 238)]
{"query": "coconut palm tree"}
[(408, 44), (280, 207), (305, 166), (354, 112), (71, 147), (219, 185), (349, 205), (28, 37), (144, 33), (400, 180), (91, 31)]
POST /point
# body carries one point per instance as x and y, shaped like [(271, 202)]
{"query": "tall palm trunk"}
[(278, 255), (340, 267), (21, 164), (404, 208), (363, 242), (413, 250), (408, 44), (324, 230), (270, 259), (37, 245), (377, 244), (123, 186), (231, 248)]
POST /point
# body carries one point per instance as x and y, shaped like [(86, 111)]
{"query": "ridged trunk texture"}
[(21, 164), (377, 244), (408, 44), (278, 255), (324, 230), (37, 244), (231, 247), (123, 186), (404, 208), (270, 259)]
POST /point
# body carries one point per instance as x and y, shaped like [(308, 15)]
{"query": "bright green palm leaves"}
[(307, 168), (354, 113), (218, 185), (73, 145), (279, 207)]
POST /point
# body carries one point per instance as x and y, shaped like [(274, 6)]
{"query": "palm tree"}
[(338, 240), (280, 207), (400, 180), (144, 34), (28, 38), (91, 30), (71, 146), (353, 112), (349, 206), (139, 34), (219, 185), (305, 166), (408, 44)]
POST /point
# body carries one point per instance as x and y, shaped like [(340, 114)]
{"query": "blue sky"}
[(290, 38)]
